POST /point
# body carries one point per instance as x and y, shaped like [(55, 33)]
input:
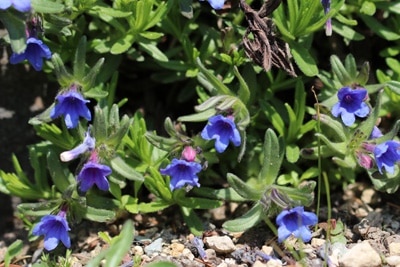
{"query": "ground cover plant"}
[(274, 104)]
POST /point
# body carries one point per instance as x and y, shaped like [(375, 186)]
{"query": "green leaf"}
[(121, 167), (303, 59), (16, 30), (193, 221), (152, 50), (123, 44), (248, 220), (186, 8), (243, 189), (161, 264), (13, 250), (381, 30), (198, 203), (98, 215), (80, 59), (346, 31), (58, 172), (46, 6), (273, 156), (39, 209), (368, 8), (201, 116), (292, 153), (228, 194), (120, 245), (217, 83)]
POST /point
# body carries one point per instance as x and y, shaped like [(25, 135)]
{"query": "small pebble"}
[(154, 247), (393, 261), (394, 249), (221, 244)]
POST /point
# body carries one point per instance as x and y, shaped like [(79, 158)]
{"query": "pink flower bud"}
[(189, 154), (365, 161)]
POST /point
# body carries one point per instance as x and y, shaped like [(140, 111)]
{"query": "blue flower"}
[(20, 5), (94, 173), (87, 145), (386, 155), (295, 221), (182, 173), (35, 51), (327, 7), (198, 243), (54, 228), (222, 130), (216, 4), (72, 105), (351, 104)]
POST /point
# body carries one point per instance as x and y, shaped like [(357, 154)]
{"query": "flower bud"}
[(189, 154)]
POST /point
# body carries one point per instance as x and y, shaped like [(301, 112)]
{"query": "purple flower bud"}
[(376, 133), (327, 7), (87, 145), (365, 161), (198, 243), (189, 154)]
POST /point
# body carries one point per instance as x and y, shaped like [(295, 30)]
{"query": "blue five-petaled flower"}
[(295, 221), (35, 51), (182, 173), (20, 5), (94, 173), (72, 105), (351, 104), (54, 228), (223, 130), (387, 155)]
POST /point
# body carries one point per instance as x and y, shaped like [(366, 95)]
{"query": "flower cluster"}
[(351, 104), (184, 171)]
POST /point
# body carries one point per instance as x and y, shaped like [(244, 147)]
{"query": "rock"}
[(258, 263), (393, 261), (274, 263), (317, 242), (137, 250), (361, 255), (394, 249), (176, 249), (268, 250), (221, 244), (154, 247), (370, 196)]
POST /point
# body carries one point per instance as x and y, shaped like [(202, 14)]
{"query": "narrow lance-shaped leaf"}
[(273, 156)]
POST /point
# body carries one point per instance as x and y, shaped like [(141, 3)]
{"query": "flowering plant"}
[(256, 116)]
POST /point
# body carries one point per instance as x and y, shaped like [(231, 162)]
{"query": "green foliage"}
[(166, 56)]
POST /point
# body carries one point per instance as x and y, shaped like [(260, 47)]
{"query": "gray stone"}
[(154, 247), (221, 244), (361, 255)]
